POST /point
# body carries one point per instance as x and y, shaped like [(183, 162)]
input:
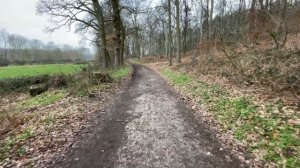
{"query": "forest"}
[(171, 83), (254, 40)]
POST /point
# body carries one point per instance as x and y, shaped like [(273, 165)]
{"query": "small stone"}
[(208, 154), (228, 158), (241, 158)]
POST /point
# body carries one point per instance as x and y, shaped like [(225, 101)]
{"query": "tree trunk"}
[(207, 20), (169, 32), (123, 38), (102, 34), (201, 19), (118, 31), (186, 25), (211, 19), (252, 23), (178, 32)]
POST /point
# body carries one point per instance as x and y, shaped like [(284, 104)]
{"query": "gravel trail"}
[(148, 126)]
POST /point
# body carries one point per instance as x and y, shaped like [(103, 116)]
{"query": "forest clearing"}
[(150, 84)]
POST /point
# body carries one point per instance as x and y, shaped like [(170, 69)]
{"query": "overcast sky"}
[(19, 17)]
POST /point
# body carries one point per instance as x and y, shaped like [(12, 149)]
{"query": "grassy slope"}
[(265, 130), (34, 70)]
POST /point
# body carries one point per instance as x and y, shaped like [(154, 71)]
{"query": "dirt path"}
[(148, 126)]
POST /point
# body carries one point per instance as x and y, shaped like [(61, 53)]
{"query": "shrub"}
[(21, 83)]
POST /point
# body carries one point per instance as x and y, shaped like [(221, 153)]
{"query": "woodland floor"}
[(148, 125)]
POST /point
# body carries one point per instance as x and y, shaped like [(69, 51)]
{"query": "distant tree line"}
[(16, 49)]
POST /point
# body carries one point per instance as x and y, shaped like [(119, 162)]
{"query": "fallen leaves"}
[(269, 130), (47, 130)]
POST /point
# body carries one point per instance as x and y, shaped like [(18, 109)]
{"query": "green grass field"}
[(34, 70)]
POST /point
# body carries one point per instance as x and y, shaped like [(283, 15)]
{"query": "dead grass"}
[(269, 73)]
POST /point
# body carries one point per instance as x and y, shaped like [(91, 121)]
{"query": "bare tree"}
[(118, 26), (186, 22), (169, 32), (4, 39), (87, 13), (178, 32), (211, 14)]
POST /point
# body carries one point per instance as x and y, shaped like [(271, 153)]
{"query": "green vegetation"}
[(263, 130), (84, 87), (21, 83), (13, 144), (119, 73), (7, 144), (177, 79), (44, 99), (36, 70)]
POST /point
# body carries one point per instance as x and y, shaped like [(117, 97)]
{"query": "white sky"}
[(19, 17)]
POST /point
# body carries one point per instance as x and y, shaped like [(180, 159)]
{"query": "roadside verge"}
[(261, 134)]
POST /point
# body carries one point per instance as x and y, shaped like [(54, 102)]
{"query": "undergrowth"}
[(10, 142), (119, 73), (44, 99), (82, 86), (28, 111), (264, 130)]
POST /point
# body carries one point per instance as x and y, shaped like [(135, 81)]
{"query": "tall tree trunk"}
[(207, 20), (261, 3), (5, 50), (186, 25), (211, 27), (118, 31), (201, 19), (169, 32), (123, 38), (102, 33), (178, 32), (252, 23), (137, 47)]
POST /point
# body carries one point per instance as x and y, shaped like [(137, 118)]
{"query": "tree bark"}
[(178, 32), (186, 25), (169, 32), (117, 22), (123, 38), (102, 34), (211, 13), (252, 23)]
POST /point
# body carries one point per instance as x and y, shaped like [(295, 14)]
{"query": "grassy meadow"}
[(35, 70)]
